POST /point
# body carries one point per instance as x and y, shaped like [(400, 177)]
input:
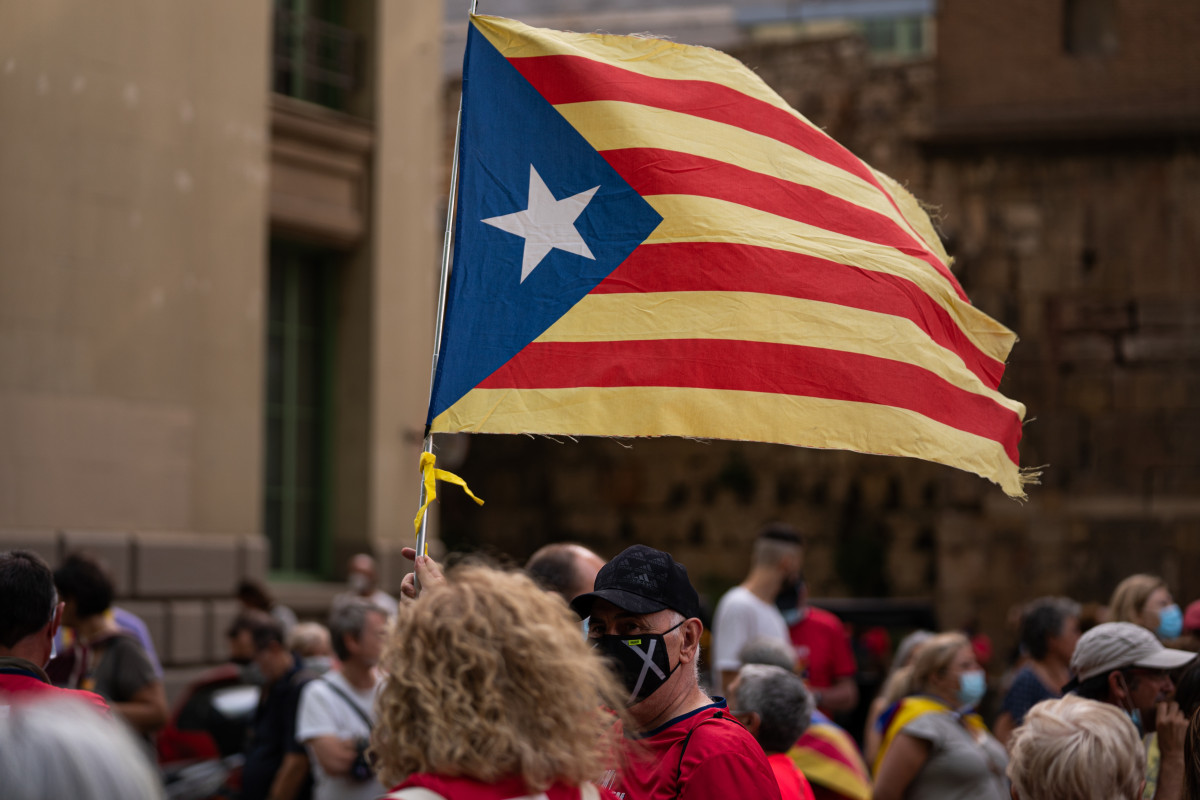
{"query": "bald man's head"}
[(565, 568)]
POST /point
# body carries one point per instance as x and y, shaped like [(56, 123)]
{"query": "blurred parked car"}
[(200, 749)]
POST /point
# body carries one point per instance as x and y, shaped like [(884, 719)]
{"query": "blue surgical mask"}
[(1170, 622), (972, 686), (1134, 714)]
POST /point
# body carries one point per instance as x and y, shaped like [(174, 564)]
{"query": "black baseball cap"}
[(642, 580)]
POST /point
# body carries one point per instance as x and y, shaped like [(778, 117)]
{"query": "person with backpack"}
[(337, 710)]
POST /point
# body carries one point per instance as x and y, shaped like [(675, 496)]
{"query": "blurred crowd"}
[(577, 677)]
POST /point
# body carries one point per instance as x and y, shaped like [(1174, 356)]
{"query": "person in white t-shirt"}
[(337, 710), (748, 611)]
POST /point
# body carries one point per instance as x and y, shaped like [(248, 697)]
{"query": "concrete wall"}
[(407, 216), (132, 200), (143, 162)]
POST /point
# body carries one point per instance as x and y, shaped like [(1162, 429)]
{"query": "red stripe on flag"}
[(575, 79), (652, 171), (816, 743), (758, 367), (728, 267)]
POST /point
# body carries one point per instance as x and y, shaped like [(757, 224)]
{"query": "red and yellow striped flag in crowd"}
[(650, 242)]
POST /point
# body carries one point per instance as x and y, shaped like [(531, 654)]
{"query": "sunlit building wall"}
[(220, 231)]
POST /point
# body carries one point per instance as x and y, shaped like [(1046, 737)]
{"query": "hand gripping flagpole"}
[(429, 473)]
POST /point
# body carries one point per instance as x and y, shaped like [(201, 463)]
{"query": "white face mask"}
[(318, 663)]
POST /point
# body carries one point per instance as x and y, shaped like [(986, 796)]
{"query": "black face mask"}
[(641, 661), (788, 600)]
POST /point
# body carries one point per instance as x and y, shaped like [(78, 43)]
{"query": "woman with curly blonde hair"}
[(491, 693)]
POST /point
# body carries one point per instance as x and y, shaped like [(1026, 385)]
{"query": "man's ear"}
[(689, 648), (752, 722), (1117, 688), (56, 619)]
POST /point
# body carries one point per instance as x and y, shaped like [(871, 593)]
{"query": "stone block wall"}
[(1088, 249), (181, 585)]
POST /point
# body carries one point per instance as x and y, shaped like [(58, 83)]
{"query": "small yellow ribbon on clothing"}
[(430, 475)]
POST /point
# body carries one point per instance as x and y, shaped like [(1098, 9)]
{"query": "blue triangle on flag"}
[(491, 314)]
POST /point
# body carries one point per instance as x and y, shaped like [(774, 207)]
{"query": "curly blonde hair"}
[(488, 677)]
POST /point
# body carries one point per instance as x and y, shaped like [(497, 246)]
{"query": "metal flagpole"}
[(427, 446)]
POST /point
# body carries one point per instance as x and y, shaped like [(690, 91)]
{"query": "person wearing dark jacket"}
[(276, 764)]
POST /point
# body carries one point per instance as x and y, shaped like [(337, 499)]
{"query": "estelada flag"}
[(650, 242)]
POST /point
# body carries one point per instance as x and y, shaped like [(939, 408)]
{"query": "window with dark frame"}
[(315, 55), (298, 492)]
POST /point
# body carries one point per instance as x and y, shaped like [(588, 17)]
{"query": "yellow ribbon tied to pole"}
[(430, 475)]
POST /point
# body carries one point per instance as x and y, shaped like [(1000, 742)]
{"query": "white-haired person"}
[(776, 708), (311, 641), (825, 753), (1076, 749), (934, 746), (491, 693), (61, 748)]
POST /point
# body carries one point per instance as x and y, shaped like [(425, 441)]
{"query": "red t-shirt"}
[(792, 783), (507, 789), (24, 686), (823, 653), (697, 756)]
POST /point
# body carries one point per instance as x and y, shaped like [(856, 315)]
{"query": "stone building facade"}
[(1067, 187), (220, 248)]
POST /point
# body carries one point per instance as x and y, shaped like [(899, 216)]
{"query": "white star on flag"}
[(546, 223)]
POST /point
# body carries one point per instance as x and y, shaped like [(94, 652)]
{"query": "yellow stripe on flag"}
[(653, 58), (725, 414), (689, 218), (611, 125), (749, 316), (916, 216), (830, 774)]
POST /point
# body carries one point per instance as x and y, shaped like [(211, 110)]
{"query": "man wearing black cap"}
[(644, 617)]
